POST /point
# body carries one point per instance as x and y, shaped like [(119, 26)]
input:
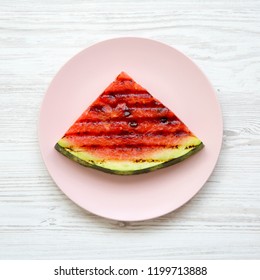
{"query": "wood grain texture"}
[(37, 221)]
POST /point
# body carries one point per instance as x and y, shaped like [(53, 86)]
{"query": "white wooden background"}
[(37, 221)]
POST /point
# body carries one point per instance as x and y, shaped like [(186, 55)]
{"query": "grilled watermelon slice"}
[(127, 131)]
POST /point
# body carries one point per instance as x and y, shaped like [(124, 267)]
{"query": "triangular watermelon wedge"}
[(127, 131)]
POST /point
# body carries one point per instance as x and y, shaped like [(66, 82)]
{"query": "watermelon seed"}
[(164, 120), (133, 124), (127, 113), (111, 97)]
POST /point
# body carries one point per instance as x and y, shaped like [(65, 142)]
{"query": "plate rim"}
[(66, 64)]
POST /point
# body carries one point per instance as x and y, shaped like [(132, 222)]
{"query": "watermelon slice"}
[(127, 131)]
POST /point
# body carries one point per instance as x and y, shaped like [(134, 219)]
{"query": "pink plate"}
[(170, 77)]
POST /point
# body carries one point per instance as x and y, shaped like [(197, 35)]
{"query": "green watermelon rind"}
[(65, 151)]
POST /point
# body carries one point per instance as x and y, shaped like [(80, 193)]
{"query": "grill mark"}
[(180, 132), (190, 147), (136, 140), (133, 126), (151, 105), (138, 147), (147, 160), (136, 161), (115, 120), (122, 95), (113, 134), (140, 153), (100, 108), (123, 118), (145, 104), (97, 108), (124, 136)]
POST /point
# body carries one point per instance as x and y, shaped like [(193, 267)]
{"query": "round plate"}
[(170, 77)]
